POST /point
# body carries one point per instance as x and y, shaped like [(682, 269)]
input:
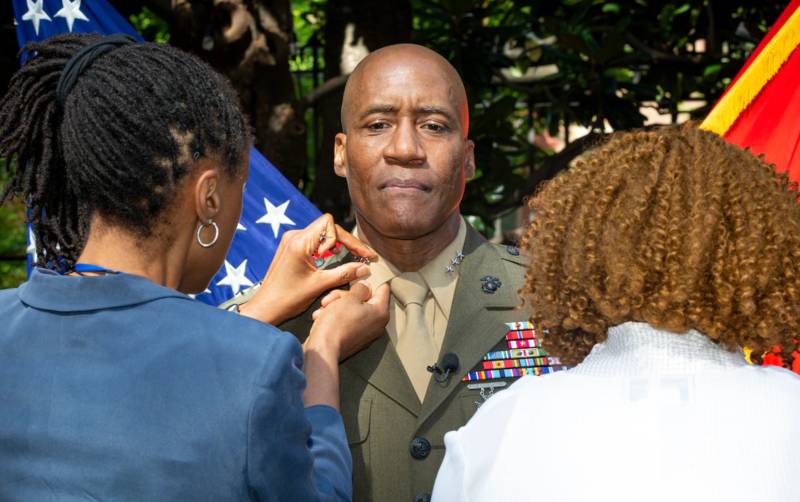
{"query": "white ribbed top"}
[(636, 348), (648, 415)]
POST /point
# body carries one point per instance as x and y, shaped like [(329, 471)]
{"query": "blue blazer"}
[(115, 388)]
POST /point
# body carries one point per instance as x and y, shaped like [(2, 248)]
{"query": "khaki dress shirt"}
[(440, 282)]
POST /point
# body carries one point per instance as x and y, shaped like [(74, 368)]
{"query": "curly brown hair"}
[(673, 227)]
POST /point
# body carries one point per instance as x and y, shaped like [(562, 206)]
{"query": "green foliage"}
[(151, 26), (532, 66), (308, 17), (12, 239), (307, 64)]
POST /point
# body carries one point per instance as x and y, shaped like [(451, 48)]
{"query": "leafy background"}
[(538, 75)]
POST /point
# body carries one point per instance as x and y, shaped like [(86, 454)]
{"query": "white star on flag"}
[(35, 14), (241, 227), (31, 250), (234, 277), (71, 11), (275, 216)]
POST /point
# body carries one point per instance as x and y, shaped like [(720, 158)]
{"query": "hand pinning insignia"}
[(490, 284)]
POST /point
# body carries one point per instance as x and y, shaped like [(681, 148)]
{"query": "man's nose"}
[(404, 146)]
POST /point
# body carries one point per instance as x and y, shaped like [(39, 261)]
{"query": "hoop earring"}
[(200, 228)]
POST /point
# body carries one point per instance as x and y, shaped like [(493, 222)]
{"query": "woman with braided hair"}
[(654, 260), (114, 384)]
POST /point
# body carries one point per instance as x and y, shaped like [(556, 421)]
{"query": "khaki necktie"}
[(414, 343)]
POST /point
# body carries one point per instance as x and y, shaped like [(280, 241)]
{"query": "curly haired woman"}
[(654, 260)]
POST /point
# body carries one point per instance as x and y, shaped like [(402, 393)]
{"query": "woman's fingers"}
[(380, 296), (360, 291), (331, 297), (316, 237), (354, 245), (339, 276), (327, 236), (323, 233)]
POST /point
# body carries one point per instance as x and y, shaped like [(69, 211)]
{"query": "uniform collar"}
[(47, 290), (441, 283), (639, 349)]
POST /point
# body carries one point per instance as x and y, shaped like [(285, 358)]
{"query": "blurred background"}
[(545, 79)]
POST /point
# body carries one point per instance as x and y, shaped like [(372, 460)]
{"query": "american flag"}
[(271, 203)]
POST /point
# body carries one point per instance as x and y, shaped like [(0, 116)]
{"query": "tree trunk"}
[(249, 42), (353, 29)]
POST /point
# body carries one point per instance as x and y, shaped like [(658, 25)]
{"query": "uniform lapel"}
[(476, 318), (380, 365)]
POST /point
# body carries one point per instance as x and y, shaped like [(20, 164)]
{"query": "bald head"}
[(414, 68), (405, 152)]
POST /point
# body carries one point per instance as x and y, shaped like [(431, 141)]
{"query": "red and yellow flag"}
[(761, 107), (761, 110)]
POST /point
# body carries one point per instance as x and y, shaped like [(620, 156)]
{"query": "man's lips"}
[(401, 185)]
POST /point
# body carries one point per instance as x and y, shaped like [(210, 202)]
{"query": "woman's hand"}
[(352, 322), (293, 281), (345, 326)]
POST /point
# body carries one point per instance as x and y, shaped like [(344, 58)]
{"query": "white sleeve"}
[(451, 479)]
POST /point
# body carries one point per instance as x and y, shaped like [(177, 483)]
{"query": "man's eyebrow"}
[(420, 110), (434, 110), (379, 109)]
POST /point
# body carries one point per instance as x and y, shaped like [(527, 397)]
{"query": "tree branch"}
[(660, 56), (711, 39), (323, 90)]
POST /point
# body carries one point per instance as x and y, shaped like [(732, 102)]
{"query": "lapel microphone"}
[(441, 370)]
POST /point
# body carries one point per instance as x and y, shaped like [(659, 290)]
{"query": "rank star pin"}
[(455, 262)]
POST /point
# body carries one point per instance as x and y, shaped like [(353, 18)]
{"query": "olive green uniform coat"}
[(382, 414)]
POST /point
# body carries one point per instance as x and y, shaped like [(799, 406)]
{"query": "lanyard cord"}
[(82, 268)]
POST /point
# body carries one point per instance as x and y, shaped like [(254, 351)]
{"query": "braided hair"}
[(134, 124)]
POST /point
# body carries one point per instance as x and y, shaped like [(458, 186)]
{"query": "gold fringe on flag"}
[(753, 80)]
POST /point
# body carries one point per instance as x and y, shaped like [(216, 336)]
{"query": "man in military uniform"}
[(406, 156)]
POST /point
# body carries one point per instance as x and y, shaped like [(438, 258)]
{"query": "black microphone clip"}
[(441, 370)]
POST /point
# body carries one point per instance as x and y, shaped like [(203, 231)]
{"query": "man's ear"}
[(207, 197), (469, 159), (340, 155)]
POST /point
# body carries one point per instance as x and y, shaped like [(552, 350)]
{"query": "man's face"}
[(404, 153)]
